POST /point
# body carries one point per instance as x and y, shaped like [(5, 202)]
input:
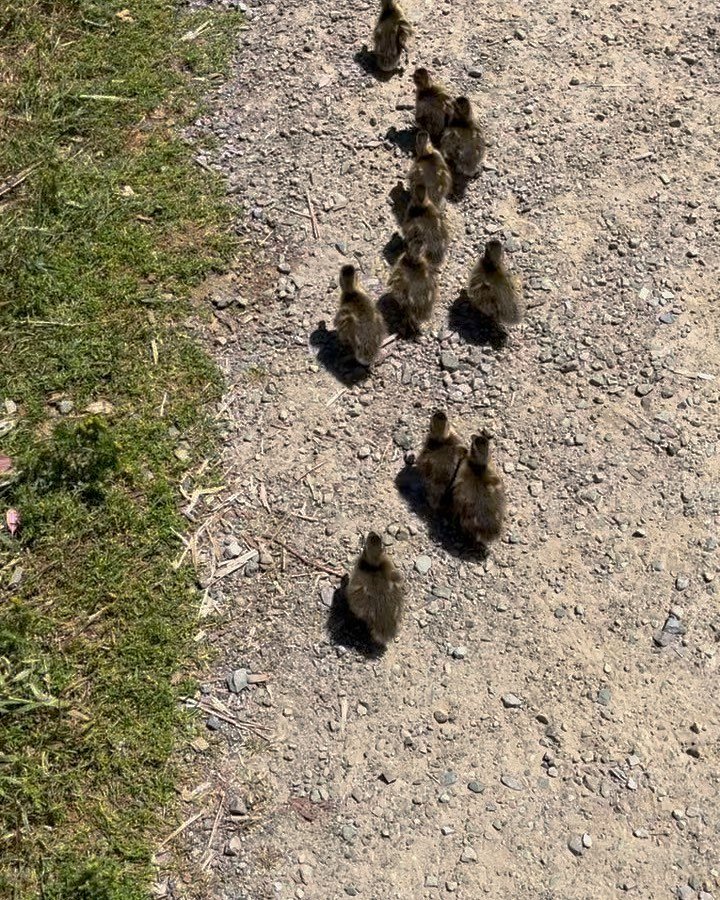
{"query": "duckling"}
[(478, 494), (433, 105), (413, 283), (431, 169), (439, 459), (424, 223), (463, 144), (391, 36), (358, 321), (376, 591), (493, 290)]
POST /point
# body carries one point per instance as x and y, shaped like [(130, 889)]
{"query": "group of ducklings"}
[(459, 481)]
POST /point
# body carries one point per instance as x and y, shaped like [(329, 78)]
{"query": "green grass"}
[(101, 245)]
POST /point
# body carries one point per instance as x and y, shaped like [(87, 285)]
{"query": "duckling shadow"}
[(440, 528), (403, 138), (334, 357), (399, 202), (475, 327), (460, 186), (346, 630), (365, 58), (392, 251)]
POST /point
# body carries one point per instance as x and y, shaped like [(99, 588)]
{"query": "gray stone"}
[(511, 782), (668, 318), (423, 564), (305, 872), (233, 847), (449, 361), (364, 452), (65, 407), (682, 582), (511, 701), (575, 845), (468, 855), (402, 438), (237, 807), (475, 787), (233, 550), (237, 681), (213, 723), (604, 696), (685, 892), (348, 833)]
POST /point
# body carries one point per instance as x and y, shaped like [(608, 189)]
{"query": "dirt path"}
[(527, 702)]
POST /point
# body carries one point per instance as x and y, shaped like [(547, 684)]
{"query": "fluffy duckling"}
[(414, 286), (425, 224), (463, 144), (433, 105), (391, 36), (493, 290), (478, 494), (439, 459), (430, 169), (358, 322), (376, 591)]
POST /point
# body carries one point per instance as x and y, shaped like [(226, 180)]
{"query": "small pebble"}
[(511, 782)]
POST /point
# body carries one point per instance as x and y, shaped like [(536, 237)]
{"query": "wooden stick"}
[(213, 711), (336, 397), (182, 827), (221, 805), (40, 323), (311, 210), (16, 180), (229, 567), (308, 562), (310, 471)]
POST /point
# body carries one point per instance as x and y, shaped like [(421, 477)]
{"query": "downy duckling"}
[(478, 494), (430, 169), (376, 591), (463, 144), (433, 105), (391, 36), (425, 224), (439, 460), (493, 290), (358, 322), (414, 287)]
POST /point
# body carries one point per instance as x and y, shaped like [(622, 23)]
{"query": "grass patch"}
[(102, 240)]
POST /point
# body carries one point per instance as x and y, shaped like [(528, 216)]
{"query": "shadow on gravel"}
[(441, 530), (333, 357), (366, 60), (346, 630), (399, 201), (459, 187), (393, 249), (395, 321), (403, 138), (474, 327)]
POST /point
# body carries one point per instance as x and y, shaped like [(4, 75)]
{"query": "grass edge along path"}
[(106, 224)]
